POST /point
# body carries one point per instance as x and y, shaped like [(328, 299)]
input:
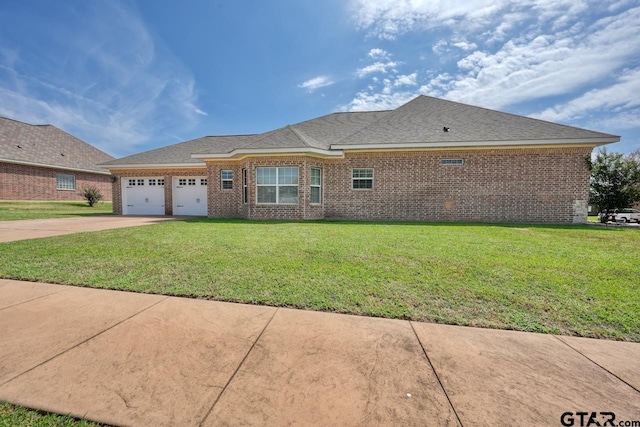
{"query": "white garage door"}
[(143, 196), (190, 195)]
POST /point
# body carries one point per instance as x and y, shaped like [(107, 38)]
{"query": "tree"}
[(92, 194), (615, 181)]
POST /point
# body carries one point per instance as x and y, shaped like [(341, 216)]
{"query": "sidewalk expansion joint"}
[(238, 368), (424, 351), (33, 299), (594, 362), (82, 342)]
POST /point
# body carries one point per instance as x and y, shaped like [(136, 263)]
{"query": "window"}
[(152, 182), (203, 181), (65, 182), (452, 161), (161, 182), (191, 181), (132, 182), (182, 181), (226, 177), (141, 182), (277, 185), (362, 178), (316, 185), (245, 189)]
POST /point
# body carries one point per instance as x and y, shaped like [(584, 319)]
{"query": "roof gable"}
[(46, 145)]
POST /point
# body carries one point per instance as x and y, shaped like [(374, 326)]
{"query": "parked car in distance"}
[(627, 215)]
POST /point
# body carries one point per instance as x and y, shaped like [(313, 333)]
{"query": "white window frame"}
[(228, 180), (65, 182), (318, 186), (360, 178), (245, 187), (278, 185)]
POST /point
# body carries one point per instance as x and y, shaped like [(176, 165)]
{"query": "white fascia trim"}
[(457, 144), (243, 152), (41, 165), (158, 166)]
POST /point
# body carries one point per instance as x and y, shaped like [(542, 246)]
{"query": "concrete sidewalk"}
[(11, 231), (135, 359)]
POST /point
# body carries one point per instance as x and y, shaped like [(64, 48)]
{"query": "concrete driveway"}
[(35, 228), (136, 359)]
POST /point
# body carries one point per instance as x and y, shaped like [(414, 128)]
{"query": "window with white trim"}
[(203, 181), (182, 181), (316, 186), (141, 182), (161, 182), (65, 182), (245, 187), (277, 185), (362, 178), (226, 178)]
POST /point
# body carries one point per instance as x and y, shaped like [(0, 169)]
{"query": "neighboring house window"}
[(245, 187), (316, 185), (452, 161), (65, 182), (226, 179), (277, 185), (362, 178)]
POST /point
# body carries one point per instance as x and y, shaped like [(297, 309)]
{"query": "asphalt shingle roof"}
[(47, 145), (423, 120), (419, 121)]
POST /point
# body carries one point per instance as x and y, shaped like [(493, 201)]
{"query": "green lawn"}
[(11, 416), (576, 280), (37, 210)]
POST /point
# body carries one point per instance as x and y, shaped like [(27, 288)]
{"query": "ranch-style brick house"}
[(42, 162), (428, 160)]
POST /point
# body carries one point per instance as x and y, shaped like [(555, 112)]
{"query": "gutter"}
[(42, 165)]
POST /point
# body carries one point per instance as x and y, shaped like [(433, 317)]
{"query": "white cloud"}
[(367, 101), (620, 98), (316, 83), (378, 67), (545, 65), (117, 88), (378, 54), (406, 80), (387, 19)]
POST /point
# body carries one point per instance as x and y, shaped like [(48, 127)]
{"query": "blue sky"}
[(128, 76)]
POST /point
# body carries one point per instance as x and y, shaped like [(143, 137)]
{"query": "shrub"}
[(92, 194)]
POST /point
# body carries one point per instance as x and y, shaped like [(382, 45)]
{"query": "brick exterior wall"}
[(541, 185), (508, 185), (22, 182)]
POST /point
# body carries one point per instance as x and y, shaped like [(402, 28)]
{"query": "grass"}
[(11, 416), (575, 280), (15, 210)]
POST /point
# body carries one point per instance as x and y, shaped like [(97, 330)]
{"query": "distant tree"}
[(615, 181), (92, 194)]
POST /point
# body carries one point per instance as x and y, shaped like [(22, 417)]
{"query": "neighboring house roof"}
[(47, 146), (419, 123)]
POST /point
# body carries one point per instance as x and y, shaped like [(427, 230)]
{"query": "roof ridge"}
[(306, 139)]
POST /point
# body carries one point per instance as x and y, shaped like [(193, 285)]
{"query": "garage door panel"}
[(143, 196), (190, 195)]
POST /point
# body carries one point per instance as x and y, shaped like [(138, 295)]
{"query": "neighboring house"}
[(42, 162), (428, 160)]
